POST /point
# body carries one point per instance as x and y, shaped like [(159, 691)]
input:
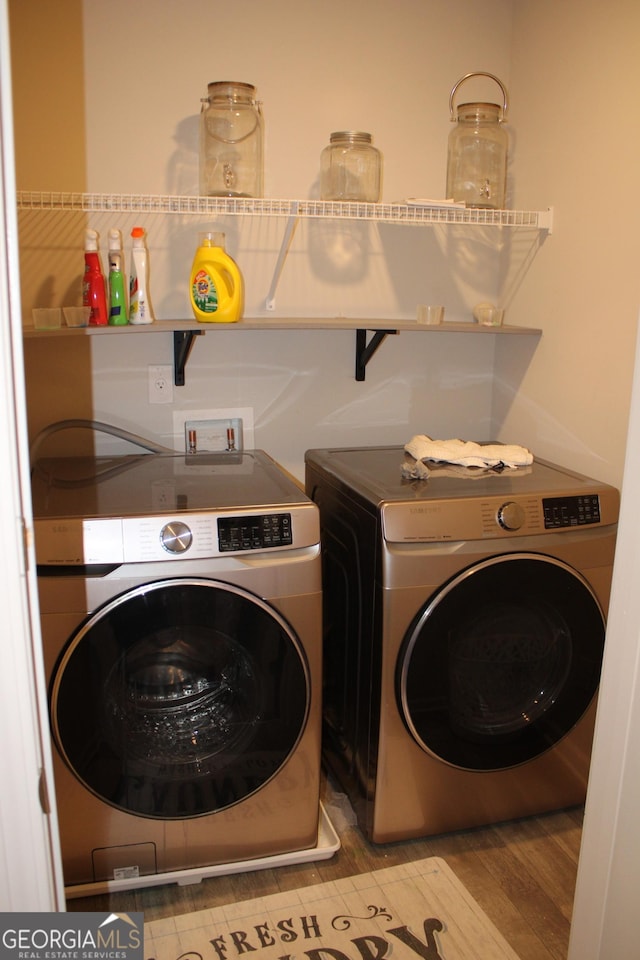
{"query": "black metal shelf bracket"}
[(182, 343), (364, 350)]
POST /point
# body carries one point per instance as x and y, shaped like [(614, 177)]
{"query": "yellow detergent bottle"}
[(217, 287)]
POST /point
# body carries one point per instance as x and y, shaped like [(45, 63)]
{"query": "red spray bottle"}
[(94, 291)]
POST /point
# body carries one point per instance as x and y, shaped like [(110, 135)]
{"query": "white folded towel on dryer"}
[(467, 453)]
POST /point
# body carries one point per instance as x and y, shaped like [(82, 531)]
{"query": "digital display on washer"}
[(254, 533), (571, 511)]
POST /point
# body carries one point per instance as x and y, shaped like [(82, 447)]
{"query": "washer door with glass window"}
[(180, 698), (501, 662)]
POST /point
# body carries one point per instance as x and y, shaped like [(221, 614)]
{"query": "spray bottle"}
[(216, 288), (117, 288), (94, 292), (140, 310)]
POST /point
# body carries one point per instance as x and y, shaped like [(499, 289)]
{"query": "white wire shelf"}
[(406, 213)]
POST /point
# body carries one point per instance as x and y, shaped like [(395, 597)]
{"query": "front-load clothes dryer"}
[(464, 629), (181, 604)]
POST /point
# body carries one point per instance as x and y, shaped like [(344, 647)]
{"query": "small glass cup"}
[(488, 315), (47, 318), (76, 316), (430, 314), (493, 318)]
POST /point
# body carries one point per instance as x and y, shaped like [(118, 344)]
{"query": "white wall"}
[(576, 69), (575, 73), (570, 67), (317, 68)]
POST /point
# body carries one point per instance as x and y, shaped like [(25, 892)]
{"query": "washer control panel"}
[(254, 532), (570, 511), (193, 536)]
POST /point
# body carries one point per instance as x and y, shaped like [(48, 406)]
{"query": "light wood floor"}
[(522, 873)]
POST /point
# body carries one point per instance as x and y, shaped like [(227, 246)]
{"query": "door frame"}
[(31, 867)]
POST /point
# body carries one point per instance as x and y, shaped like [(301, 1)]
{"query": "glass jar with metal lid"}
[(231, 141), (351, 168), (477, 150)]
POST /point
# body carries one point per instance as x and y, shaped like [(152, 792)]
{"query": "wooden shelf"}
[(282, 323), (185, 331)]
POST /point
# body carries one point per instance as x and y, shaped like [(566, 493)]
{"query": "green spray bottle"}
[(118, 311)]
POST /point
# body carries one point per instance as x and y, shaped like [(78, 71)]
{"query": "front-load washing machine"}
[(464, 629), (181, 601)]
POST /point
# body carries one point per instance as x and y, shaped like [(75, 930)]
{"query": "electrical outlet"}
[(160, 383)]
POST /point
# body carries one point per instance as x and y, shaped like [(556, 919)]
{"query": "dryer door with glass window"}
[(179, 698), (501, 662)]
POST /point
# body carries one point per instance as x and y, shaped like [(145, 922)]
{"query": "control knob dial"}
[(176, 537), (510, 516)]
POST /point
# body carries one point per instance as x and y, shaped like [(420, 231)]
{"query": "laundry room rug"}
[(416, 911)]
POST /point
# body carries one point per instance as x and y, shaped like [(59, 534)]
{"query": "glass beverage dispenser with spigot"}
[(231, 141), (477, 154)]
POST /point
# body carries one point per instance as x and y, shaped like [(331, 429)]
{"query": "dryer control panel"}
[(571, 511), (483, 518)]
